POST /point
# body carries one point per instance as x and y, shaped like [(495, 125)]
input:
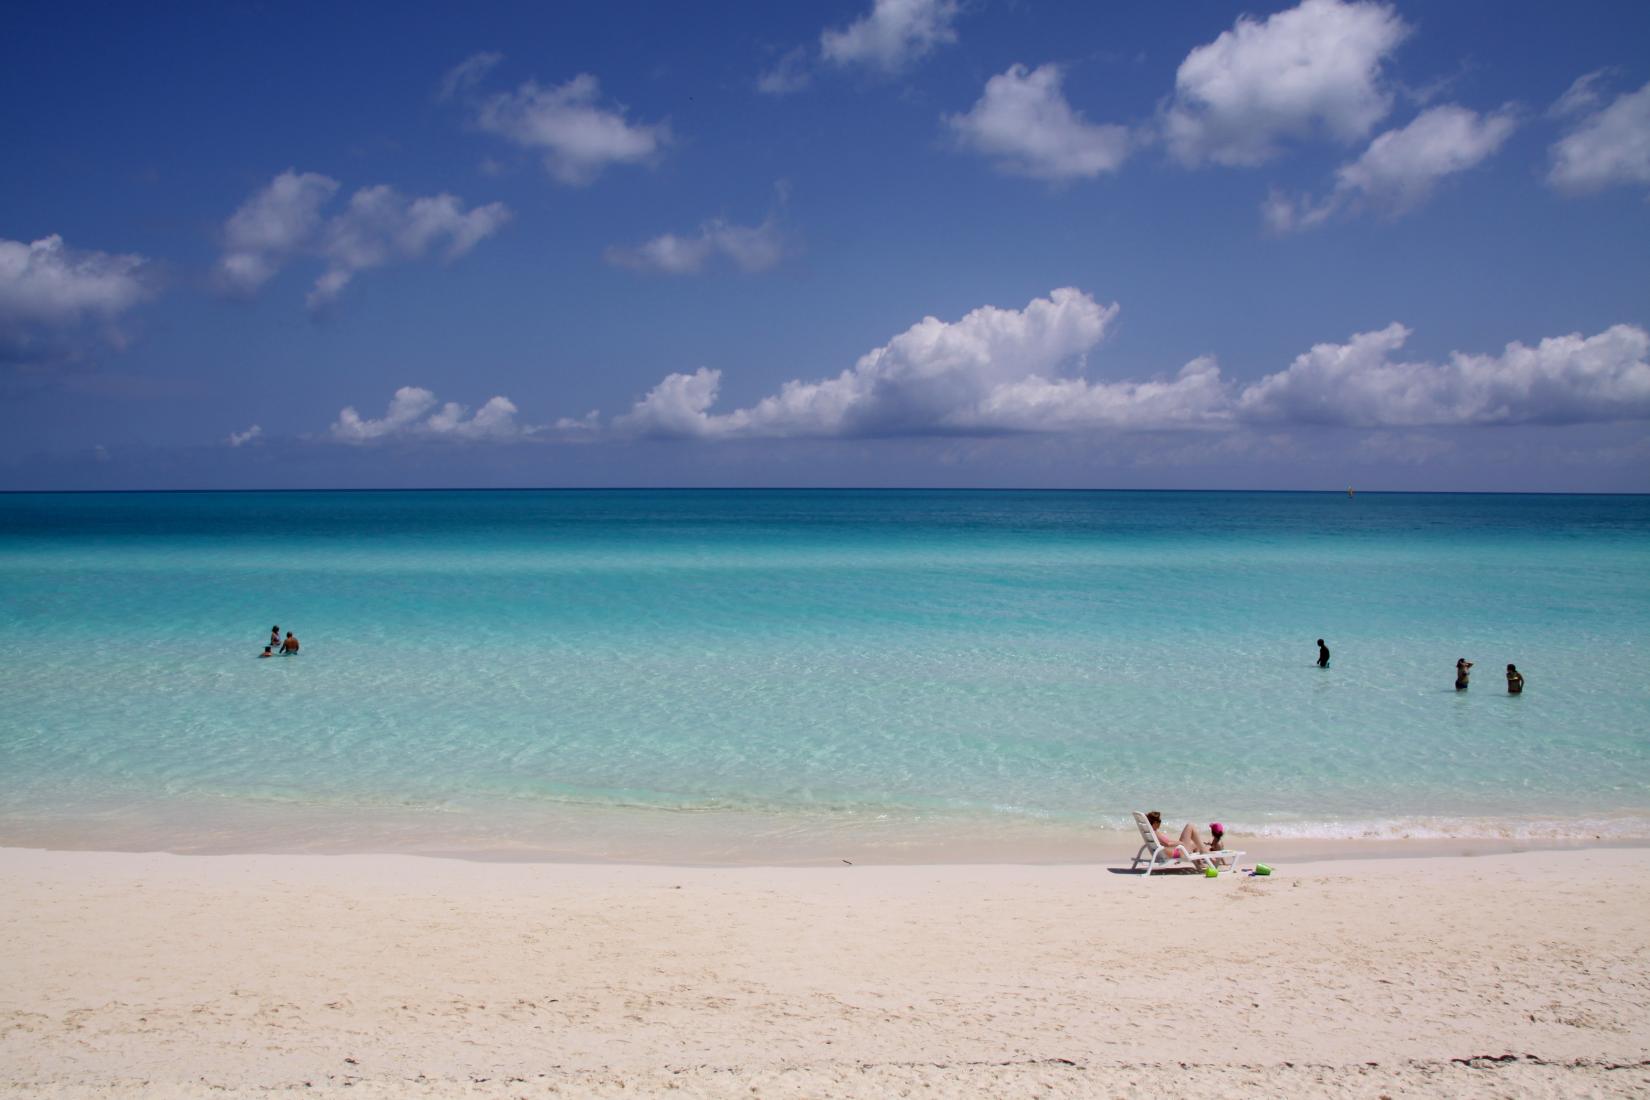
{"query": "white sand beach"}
[(158, 975)]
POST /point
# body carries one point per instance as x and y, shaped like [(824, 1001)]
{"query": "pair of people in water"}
[(1463, 673), (287, 648), (1189, 842)]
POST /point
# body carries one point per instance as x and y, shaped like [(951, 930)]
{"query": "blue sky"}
[(910, 242)]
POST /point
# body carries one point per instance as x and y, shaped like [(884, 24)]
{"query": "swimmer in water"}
[(1323, 654), (269, 651), (1515, 681), (274, 636), (290, 646), (1463, 669)]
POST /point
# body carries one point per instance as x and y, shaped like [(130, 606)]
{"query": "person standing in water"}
[(1515, 681), (275, 635), (290, 646), (1463, 669), (1323, 654)]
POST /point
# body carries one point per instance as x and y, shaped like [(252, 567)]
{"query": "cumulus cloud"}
[(935, 377), (892, 34), (577, 135), (48, 283), (237, 439), (415, 414), (1194, 397), (1316, 68), (1024, 122), (377, 226), (272, 225), (1001, 371), (1401, 167), (48, 290), (748, 247), (1562, 380), (1606, 147)]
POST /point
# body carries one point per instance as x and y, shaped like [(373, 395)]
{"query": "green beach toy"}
[(1262, 869), (1210, 872)]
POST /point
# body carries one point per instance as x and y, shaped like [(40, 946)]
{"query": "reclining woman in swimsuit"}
[(1188, 843)]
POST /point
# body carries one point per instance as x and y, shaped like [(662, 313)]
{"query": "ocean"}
[(751, 675)]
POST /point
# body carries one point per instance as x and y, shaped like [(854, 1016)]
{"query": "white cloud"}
[(380, 225), (1285, 213), (1562, 380), (1582, 95), (377, 226), (1024, 122), (579, 137), (1401, 167), (1195, 397), (48, 283), (935, 377), (1605, 148), (789, 74), (414, 413), (47, 290), (998, 371), (464, 76), (237, 439), (749, 247), (892, 34), (270, 227), (1314, 68)]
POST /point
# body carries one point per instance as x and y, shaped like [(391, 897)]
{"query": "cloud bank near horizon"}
[(998, 371), (415, 413)]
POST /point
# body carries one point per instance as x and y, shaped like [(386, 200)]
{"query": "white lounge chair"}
[(1154, 854)]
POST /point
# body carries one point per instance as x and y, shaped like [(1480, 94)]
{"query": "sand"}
[(155, 975)]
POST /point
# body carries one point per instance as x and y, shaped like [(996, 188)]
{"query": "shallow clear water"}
[(749, 674)]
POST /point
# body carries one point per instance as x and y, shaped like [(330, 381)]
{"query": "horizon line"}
[(1351, 490)]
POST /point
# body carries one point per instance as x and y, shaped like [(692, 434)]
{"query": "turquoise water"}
[(755, 674)]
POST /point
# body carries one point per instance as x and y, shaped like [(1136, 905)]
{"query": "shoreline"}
[(157, 975), (1101, 847)]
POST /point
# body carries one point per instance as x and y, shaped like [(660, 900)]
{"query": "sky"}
[(992, 243)]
